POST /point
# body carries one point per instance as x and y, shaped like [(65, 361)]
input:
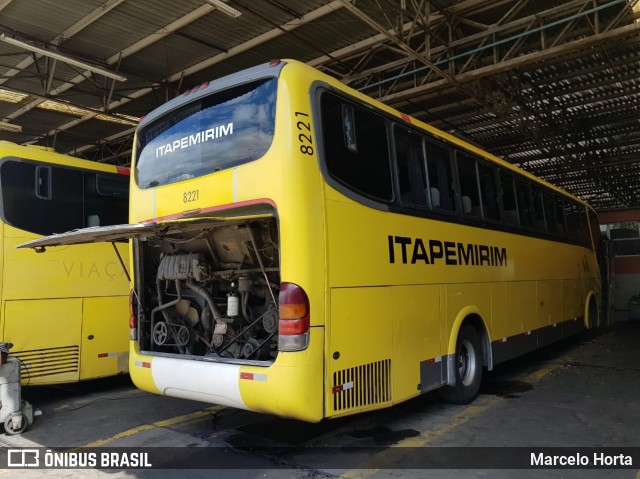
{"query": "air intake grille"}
[(47, 362), (362, 386)]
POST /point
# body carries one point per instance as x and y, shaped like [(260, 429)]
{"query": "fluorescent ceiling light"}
[(11, 96), (224, 8), (62, 58), (67, 108), (10, 127)]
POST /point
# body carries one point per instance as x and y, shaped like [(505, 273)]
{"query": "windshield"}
[(212, 133)]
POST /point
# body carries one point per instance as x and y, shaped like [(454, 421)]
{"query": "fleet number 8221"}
[(189, 196)]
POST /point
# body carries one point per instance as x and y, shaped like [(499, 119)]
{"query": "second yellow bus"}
[(65, 312)]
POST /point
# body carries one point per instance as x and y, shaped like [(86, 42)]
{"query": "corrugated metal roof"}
[(546, 84)]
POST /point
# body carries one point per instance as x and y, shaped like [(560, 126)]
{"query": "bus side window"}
[(550, 212), (508, 195), (571, 219), (585, 233), (524, 203), (562, 226), (538, 208), (367, 169), (468, 178), (411, 169), (594, 227), (105, 199), (43, 182), (489, 191), (25, 209), (576, 221), (67, 207), (349, 127), (440, 177)]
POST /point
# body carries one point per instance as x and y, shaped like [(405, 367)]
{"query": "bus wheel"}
[(468, 368)]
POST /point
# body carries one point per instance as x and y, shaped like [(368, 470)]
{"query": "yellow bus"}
[(303, 250), (63, 311)]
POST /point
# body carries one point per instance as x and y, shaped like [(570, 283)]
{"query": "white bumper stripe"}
[(210, 382)]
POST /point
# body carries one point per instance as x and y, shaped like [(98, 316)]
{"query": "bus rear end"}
[(220, 313)]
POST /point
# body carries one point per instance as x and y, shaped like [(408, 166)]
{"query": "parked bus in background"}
[(65, 312), (303, 250)]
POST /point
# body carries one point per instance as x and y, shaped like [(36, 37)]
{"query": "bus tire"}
[(468, 368)]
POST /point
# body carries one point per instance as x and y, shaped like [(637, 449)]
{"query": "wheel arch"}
[(470, 315), (592, 298)]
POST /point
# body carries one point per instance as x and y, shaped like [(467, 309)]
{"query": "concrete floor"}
[(581, 393)]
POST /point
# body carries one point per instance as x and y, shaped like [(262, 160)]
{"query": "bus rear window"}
[(209, 134)]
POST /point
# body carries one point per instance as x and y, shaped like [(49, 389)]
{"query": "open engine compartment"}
[(209, 290)]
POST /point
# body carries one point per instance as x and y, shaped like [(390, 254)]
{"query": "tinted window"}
[(573, 219), (70, 201), (116, 186), (489, 191), (356, 151), (524, 203), (576, 218), (43, 182), (468, 177), (562, 226), (550, 214), (538, 208), (412, 176), (209, 134), (106, 199), (509, 205), (440, 177)]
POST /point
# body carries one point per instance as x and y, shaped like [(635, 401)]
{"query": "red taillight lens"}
[(290, 327), (294, 310), (123, 170), (293, 301)]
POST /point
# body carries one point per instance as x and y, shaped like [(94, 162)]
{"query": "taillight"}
[(123, 170), (293, 327)]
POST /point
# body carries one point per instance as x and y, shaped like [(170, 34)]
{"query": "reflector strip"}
[(191, 212), (405, 117), (107, 355), (342, 387), (253, 376), (142, 364), (503, 340), (435, 360)]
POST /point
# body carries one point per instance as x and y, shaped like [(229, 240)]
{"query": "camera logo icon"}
[(23, 458)]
